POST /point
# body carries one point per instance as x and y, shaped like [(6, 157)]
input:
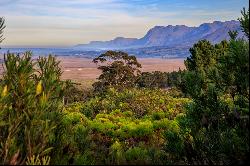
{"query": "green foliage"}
[(244, 21), (233, 68), (138, 102), (37, 161), (204, 55), (29, 104), (119, 131), (137, 155), (218, 82), (162, 80), (117, 153), (175, 78), (233, 34), (73, 93), (155, 79), (174, 145), (126, 125), (72, 139), (120, 70)]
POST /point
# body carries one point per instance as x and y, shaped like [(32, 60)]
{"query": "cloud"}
[(69, 22)]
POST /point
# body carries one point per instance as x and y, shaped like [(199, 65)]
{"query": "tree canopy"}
[(119, 70)]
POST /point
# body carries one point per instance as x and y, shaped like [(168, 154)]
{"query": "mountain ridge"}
[(171, 36)]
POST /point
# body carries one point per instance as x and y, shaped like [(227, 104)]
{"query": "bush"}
[(119, 133), (30, 105)]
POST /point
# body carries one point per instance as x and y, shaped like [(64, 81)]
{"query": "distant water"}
[(52, 51), (150, 52)]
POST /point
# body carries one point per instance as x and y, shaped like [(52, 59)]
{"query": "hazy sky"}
[(69, 22)]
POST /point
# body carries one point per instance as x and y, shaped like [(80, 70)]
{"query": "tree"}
[(2, 26), (155, 79), (233, 68), (218, 83), (205, 55), (202, 64), (202, 56), (244, 21), (120, 70)]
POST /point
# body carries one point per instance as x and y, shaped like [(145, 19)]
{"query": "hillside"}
[(171, 36)]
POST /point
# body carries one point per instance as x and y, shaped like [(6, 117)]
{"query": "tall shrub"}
[(30, 102)]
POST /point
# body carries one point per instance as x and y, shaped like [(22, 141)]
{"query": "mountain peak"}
[(174, 35)]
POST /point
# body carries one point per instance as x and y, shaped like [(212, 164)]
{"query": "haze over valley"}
[(160, 41)]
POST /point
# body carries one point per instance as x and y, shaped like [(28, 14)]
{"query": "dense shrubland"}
[(128, 127), (196, 116)]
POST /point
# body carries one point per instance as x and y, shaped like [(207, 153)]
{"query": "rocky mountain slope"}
[(171, 36)]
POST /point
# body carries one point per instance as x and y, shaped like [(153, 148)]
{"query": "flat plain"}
[(80, 69), (84, 69)]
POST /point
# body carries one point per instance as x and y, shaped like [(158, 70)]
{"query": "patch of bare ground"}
[(83, 70)]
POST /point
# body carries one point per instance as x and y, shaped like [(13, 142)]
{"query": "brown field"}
[(83, 70), (79, 69)]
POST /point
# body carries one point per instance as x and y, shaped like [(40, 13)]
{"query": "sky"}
[(63, 23)]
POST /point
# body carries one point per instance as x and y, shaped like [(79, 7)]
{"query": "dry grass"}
[(82, 70), (79, 69)]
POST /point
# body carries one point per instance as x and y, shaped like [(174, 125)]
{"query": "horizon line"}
[(69, 46)]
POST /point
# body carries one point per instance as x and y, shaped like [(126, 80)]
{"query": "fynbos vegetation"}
[(196, 116)]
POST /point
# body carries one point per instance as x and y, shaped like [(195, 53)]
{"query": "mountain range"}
[(179, 36), (160, 41)]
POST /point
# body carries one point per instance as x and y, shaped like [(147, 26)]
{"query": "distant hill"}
[(171, 36), (160, 41)]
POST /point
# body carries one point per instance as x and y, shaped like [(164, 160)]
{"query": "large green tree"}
[(120, 70), (202, 56), (218, 82), (205, 55), (244, 21)]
